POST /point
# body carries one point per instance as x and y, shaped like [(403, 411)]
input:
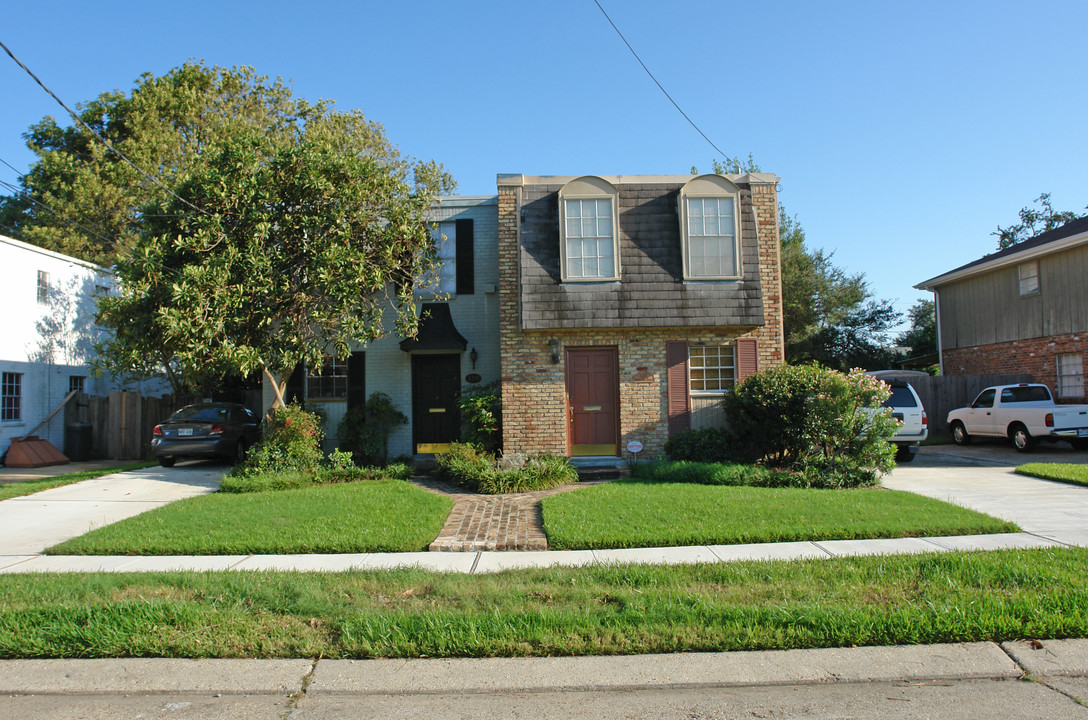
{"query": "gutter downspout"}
[(940, 344)]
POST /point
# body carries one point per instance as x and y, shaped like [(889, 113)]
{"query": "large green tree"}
[(921, 338), (829, 315), (277, 231), (83, 199), (1033, 221)]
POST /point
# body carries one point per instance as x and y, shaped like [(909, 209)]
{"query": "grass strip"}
[(1061, 472), (27, 487), (633, 513), (601, 610), (378, 516)]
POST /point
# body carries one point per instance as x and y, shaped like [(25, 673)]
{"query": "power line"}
[(659, 85), (18, 193), (94, 132)]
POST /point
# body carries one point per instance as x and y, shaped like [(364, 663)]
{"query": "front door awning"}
[(436, 332)]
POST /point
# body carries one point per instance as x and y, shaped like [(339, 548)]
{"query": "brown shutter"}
[(747, 357), (676, 360)]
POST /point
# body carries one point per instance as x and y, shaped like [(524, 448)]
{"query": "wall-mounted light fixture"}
[(553, 345), (473, 356)]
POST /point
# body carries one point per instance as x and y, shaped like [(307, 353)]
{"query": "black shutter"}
[(466, 262), (356, 380), (295, 385)]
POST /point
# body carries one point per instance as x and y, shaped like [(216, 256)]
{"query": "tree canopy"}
[(285, 230), (921, 339), (829, 315), (1033, 222)]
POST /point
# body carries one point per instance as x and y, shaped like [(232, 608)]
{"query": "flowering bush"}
[(828, 425), (291, 441)]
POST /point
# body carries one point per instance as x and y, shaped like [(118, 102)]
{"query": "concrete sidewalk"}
[(969, 680)]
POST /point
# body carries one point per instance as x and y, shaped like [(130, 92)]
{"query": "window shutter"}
[(747, 357), (295, 385), (356, 380), (466, 265), (676, 360)]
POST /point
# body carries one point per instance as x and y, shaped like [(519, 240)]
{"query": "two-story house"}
[(455, 351), (1021, 310), (629, 305), (48, 338)]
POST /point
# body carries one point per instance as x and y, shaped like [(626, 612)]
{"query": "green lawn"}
[(26, 487), (1062, 472), (632, 513), (601, 610), (375, 516)]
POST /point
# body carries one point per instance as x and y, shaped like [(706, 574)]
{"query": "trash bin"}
[(77, 441)]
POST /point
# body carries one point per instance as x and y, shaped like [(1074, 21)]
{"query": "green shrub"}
[(709, 445), (702, 473), (472, 468), (364, 430), (828, 425), (288, 479), (291, 441), (481, 417)]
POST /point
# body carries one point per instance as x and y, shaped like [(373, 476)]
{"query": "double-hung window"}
[(587, 224), (1070, 373), (43, 287), (1029, 278), (710, 229), (11, 396), (330, 382), (712, 369)]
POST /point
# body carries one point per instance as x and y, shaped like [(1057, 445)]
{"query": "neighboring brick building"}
[(628, 305), (1021, 310)]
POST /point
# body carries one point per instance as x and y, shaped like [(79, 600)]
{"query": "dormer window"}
[(587, 231), (710, 229)]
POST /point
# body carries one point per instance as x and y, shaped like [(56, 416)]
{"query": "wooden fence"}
[(119, 424)]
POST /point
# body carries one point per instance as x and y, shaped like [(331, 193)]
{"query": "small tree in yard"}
[(823, 423), (364, 431)]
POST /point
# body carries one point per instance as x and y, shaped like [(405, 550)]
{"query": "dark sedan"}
[(205, 430)]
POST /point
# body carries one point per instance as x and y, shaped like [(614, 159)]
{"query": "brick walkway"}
[(491, 522)]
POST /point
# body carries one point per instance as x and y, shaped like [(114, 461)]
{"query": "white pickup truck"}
[(1023, 413)]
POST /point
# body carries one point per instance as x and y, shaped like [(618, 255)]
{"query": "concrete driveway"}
[(980, 476), (31, 523)]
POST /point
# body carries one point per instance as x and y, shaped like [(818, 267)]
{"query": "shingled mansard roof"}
[(1068, 235)]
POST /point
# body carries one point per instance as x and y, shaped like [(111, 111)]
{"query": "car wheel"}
[(240, 452), (903, 454), (1081, 445), (959, 434), (167, 461), (1021, 438)]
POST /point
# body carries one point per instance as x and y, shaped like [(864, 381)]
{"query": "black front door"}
[(436, 386)]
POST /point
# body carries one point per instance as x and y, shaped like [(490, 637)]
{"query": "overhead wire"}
[(94, 132), (656, 82)]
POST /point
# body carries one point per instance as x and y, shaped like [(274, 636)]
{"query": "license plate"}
[(185, 431)]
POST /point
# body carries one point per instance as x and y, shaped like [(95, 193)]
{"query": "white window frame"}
[(698, 361), (1029, 282), (709, 187), (330, 382), (43, 287), (1069, 375), (588, 189), (11, 397)]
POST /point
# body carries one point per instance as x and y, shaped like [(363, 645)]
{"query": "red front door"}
[(593, 401)]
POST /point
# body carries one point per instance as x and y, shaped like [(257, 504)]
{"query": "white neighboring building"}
[(47, 337)]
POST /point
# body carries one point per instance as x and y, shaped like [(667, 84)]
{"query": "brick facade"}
[(1036, 356), (534, 388)]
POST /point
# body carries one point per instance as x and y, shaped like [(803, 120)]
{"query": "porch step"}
[(593, 468)]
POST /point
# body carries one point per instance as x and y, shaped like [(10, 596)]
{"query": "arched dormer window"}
[(710, 228), (589, 243)]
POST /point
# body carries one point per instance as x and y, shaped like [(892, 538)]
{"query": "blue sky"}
[(903, 133)]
